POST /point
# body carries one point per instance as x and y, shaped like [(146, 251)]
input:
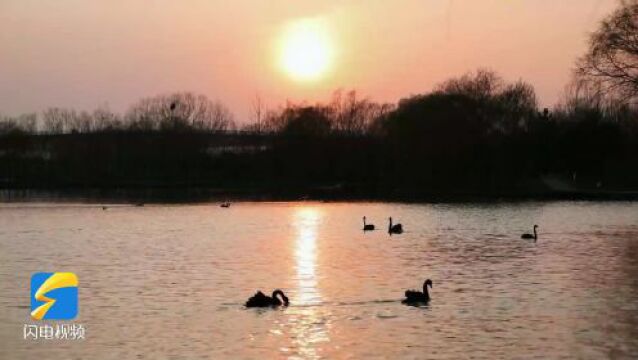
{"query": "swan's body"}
[(261, 300), (394, 229), (531, 236), (413, 296), (367, 227)]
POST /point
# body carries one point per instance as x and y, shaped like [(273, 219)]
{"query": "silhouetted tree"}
[(306, 121), (509, 106), (350, 115), (612, 59), (25, 124), (258, 110), (58, 120), (481, 85), (476, 134), (105, 120), (179, 112)]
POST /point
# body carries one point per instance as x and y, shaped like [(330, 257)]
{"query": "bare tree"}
[(379, 116), (273, 121), (104, 119), (517, 106), (506, 107), (25, 123), (180, 111), (351, 115), (612, 59), (258, 111), (58, 120), (82, 123), (480, 85)]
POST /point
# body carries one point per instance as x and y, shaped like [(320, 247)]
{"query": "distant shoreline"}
[(169, 194)]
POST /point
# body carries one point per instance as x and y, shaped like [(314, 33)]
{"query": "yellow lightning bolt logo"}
[(56, 281)]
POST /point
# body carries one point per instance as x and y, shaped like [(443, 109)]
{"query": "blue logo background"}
[(66, 299)]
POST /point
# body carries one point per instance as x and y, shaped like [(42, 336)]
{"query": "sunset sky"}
[(83, 54)]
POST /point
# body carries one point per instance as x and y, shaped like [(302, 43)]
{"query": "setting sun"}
[(306, 50)]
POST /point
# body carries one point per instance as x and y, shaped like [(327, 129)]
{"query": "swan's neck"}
[(390, 226), (535, 235), (364, 222), (425, 292), (278, 296)]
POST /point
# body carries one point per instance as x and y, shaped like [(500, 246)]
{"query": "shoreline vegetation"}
[(476, 136), (473, 137), (194, 195)]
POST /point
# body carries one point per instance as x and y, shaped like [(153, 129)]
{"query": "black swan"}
[(261, 300), (225, 204), (367, 227), (395, 229), (413, 296), (530, 236)]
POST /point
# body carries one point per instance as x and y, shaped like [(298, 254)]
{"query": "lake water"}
[(168, 281)]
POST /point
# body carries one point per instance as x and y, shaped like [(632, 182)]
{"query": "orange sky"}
[(83, 54)]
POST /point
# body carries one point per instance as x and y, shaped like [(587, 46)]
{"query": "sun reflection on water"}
[(307, 223), (309, 322)]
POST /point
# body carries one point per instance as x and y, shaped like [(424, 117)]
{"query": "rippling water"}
[(170, 281)]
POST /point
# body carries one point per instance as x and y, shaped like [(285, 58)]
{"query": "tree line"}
[(473, 135), (175, 112)]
